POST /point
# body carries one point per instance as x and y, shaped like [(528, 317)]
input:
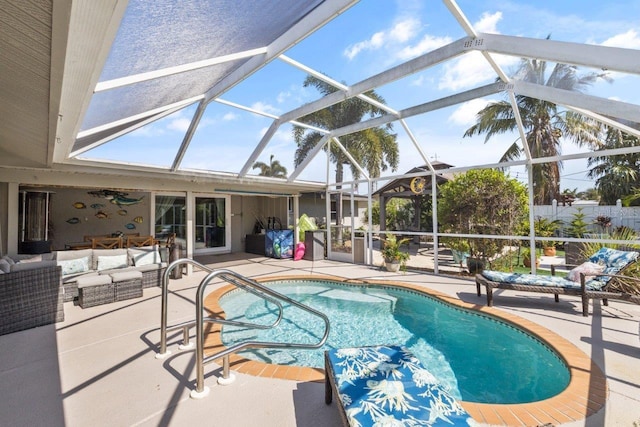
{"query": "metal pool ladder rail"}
[(246, 284)]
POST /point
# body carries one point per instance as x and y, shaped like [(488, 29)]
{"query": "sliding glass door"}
[(212, 232)]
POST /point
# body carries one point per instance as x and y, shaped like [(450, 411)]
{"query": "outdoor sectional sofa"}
[(605, 283), (33, 288), (30, 295), (92, 262)]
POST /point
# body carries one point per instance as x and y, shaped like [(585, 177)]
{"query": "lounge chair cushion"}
[(384, 385), (613, 260), (531, 279)]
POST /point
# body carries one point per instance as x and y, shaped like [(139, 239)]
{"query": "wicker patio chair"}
[(608, 284)]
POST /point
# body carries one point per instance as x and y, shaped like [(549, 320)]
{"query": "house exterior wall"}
[(105, 220)]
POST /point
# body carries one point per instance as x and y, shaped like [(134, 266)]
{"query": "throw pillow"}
[(8, 259), (5, 267), (588, 268), (146, 258), (110, 262), (74, 266)]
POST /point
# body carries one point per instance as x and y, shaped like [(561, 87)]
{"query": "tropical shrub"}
[(483, 201)]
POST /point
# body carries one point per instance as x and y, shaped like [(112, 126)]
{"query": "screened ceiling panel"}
[(120, 103), (163, 33), (86, 141)]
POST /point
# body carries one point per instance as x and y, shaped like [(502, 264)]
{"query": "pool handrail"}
[(202, 391), (185, 326)]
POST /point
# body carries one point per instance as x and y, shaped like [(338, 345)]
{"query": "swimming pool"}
[(481, 359)]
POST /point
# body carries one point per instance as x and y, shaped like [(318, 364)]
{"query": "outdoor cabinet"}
[(254, 243), (313, 245)]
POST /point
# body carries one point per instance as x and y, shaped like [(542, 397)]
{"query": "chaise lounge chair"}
[(387, 385), (593, 282)]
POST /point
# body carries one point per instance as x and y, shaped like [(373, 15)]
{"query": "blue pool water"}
[(479, 358)]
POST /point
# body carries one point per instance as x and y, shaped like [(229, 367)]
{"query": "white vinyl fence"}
[(620, 216)]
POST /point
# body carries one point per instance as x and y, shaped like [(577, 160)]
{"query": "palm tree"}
[(274, 168), (617, 177), (374, 149), (544, 123)]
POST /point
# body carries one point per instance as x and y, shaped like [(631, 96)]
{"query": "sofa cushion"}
[(93, 280), (5, 267), (23, 266), (67, 255), (144, 256), (73, 266), (111, 261), (8, 259), (105, 252), (151, 267)]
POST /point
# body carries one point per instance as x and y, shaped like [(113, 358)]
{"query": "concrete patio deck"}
[(97, 368)]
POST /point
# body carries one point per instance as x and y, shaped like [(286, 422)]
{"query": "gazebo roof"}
[(401, 187)]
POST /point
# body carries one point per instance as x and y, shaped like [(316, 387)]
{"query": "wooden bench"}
[(386, 385)]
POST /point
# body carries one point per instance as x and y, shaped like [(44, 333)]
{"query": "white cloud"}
[(148, 131), (472, 68), (426, 44), (465, 114), (265, 108), (401, 32), (404, 30), (628, 40), (180, 124), (488, 23), (230, 116), (283, 96)]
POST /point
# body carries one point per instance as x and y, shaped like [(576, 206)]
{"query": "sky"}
[(371, 37)]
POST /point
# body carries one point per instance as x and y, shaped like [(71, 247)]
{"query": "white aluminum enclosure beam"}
[(164, 72), (138, 125), (419, 109), (416, 144), (321, 15), (599, 57), (437, 104), (191, 130), (175, 106), (405, 69), (335, 83), (606, 107), (93, 27), (310, 156), (521, 132), (607, 121), (261, 145), (468, 28), (351, 159)]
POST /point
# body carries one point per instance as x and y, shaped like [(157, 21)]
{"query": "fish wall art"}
[(122, 212), (138, 219), (102, 215), (79, 205), (74, 220), (116, 197), (130, 226)]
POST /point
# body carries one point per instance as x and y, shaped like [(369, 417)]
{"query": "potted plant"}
[(526, 258), (394, 257)]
